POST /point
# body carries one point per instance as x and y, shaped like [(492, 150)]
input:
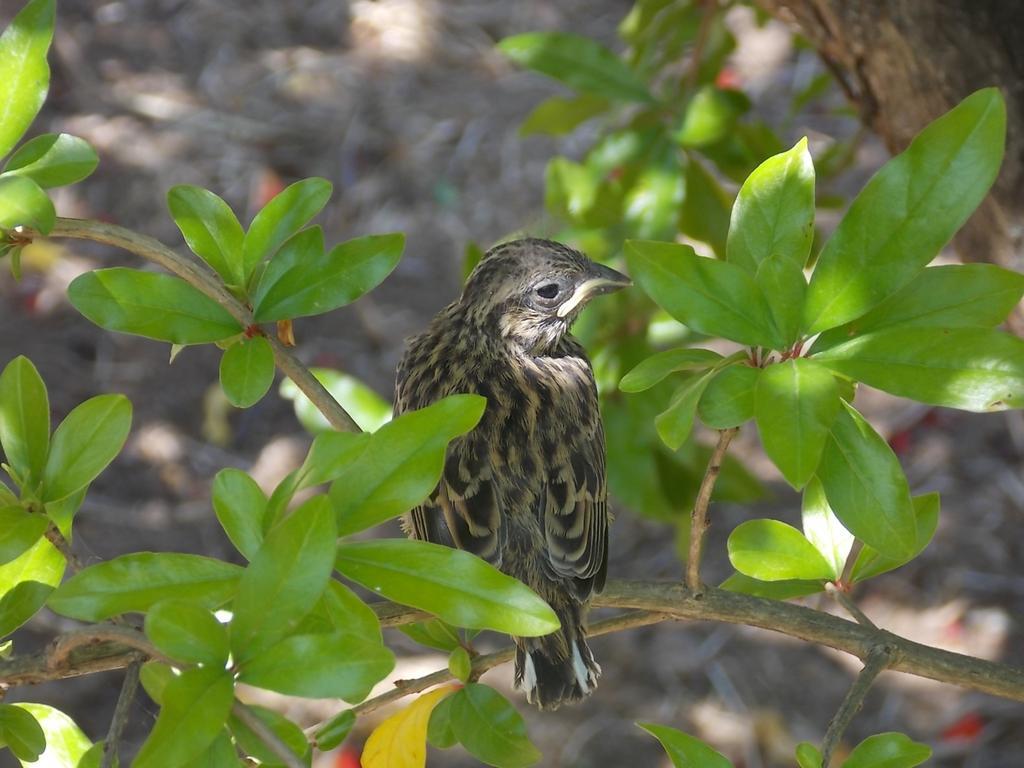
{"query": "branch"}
[(699, 517), (878, 659), (120, 719), (202, 279), (267, 736)]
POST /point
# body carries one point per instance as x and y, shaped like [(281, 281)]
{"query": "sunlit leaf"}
[(53, 160), (401, 740), (24, 70)]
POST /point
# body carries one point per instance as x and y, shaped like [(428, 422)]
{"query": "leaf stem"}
[(851, 607), (699, 517), (879, 658)]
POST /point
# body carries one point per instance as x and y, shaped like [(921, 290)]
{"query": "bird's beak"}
[(601, 279)]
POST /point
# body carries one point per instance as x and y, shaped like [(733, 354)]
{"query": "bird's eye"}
[(548, 290)]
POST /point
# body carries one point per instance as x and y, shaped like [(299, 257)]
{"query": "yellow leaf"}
[(401, 740)]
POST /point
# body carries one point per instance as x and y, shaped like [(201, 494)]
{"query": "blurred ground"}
[(405, 107)]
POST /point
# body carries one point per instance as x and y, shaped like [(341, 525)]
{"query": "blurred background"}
[(408, 108)]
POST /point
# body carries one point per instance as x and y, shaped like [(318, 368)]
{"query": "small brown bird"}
[(525, 490)]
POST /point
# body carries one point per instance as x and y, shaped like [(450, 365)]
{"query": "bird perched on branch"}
[(525, 490)]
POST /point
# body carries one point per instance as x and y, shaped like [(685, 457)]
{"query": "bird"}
[(525, 489)]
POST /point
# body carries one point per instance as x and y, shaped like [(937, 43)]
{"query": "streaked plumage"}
[(525, 490)]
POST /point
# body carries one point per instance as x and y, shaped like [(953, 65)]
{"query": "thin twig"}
[(62, 545), (878, 659), (699, 517), (121, 711), (266, 735), (708, 10), (851, 607)]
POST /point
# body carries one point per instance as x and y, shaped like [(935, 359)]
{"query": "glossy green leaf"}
[(24, 70), (134, 582), (23, 203), (19, 530), (823, 529), (303, 279), (341, 610), (221, 753), (337, 665), (85, 443), (432, 633), (795, 405), (650, 207), (974, 369), (440, 733), (908, 211), (24, 419), (926, 515), (451, 584), (675, 423), (332, 733), (25, 583), (20, 733), (557, 116), (704, 211), (656, 367), (710, 116), (157, 306), (770, 550), (782, 283), (577, 61), (195, 707), (728, 398), (187, 631), (239, 504), (402, 463), (684, 750), (285, 579), (887, 750), (369, 410), (154, 676), (710, 296), (866, 487), (247, 371), (288, 732), (948, 296), (772, 590), (774, 212), (490, 728), (65, 742), (287, 213), (329, 457), (808, 755), (21, 602), (460, 664), (210, 228), (53, 160)]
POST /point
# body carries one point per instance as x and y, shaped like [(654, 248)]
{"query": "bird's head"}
[(533, 290)]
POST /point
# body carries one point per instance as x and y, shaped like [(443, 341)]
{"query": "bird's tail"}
[(557, 668)]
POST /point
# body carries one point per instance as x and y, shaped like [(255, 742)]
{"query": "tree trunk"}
[(905, 62)]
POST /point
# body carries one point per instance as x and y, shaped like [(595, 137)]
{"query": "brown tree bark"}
[(905, 62)]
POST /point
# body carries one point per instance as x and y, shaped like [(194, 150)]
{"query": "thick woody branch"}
[(878, 659)]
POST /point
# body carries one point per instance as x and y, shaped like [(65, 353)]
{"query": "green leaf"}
[(440, 733), (23, 203), (335, 730), (866, 487), (808, 755), (949, 296), (284, 580), (21, 602), (133, 583), (195, 707), (772, 590), (24, 70), (926, 516), (251, 744), (432, 633), (451, 584), (24, 420), (65, 742), (303, 280), (20, 732), (337, 665), (579, 62), (774, 212), (684, 750), (53, 160), (887, 750), (974, 369), (402, 463), (710, 116), (823, 529), (187, 631), (557, 116), (770, 550), (85, 443), (656, 367), (220, 754), (210, 228), (157, 306), (460, 664), (795, 405), (490, 728), (19, 531), (341, 610), (650, 207), (782, 283), (329, 457), (25, 583), (369, 410), (240, 504), (710, 296), (675, 423), (908, 211), (728, 398), (247, 371), (282, 217), (704, 212), (154, 676)]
